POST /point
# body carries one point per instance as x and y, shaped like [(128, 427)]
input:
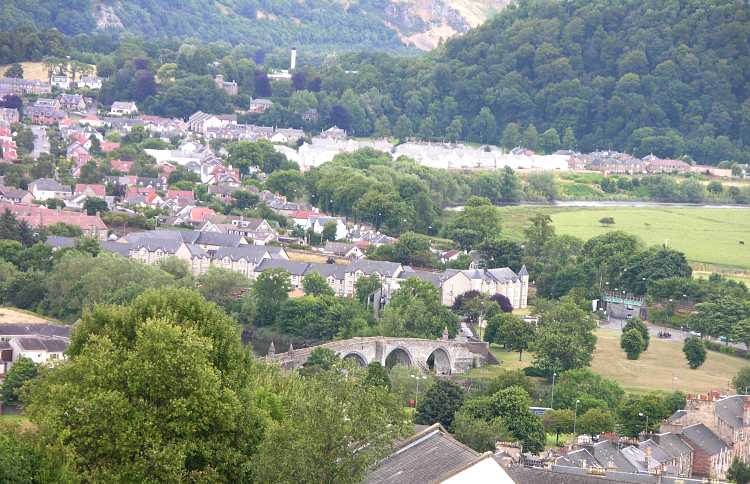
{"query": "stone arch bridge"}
[(442, 356)]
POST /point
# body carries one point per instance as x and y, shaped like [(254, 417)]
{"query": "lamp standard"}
[(416, 398), (552, 397), (641, 414), (575, 418)]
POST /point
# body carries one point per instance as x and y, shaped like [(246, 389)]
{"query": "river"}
[(612, 204)]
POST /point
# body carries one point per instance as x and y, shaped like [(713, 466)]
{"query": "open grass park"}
[(711, 238), (662, 368)]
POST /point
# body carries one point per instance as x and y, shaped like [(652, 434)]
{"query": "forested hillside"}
[(669, 77), (328, 24)]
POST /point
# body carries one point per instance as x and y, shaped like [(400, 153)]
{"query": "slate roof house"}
[(434, 456)]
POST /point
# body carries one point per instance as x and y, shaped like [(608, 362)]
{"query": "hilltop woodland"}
[(639, 77)]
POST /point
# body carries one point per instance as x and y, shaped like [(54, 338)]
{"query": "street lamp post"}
[(552, 397), (416, 398), (641, 414), (575, 418)]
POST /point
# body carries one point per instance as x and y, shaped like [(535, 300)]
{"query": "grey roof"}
[(120, 248), (703, 437), (59, 242), (219, 239), (293, 268), (48, 184), (390, 269), (523, 271), (731, 409), (196, 250), (275, 252), (52, 345), (336, 271), (672, 444), (607, 454), (426, 457), (578, 458), (502, 274), (170, 246), (34, 329), (657, 453), (251, 253), (676, 416), (187, 236)]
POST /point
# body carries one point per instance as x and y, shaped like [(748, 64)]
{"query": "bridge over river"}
[(443, 356)]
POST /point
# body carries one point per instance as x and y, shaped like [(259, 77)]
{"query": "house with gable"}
[(72, 102), (46, 188), (123, 108)]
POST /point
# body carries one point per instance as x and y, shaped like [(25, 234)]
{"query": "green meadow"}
[(710, 236)]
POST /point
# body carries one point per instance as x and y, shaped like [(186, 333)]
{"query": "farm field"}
[(653, 371), (706, 235)]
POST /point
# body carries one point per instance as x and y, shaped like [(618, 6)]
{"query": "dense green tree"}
[(320, 360), (315, 285), (549, 141), (271, 290), (510, 331), (334, 429), (365, 288), (439, 404), (15, 71), (496, 252), (476, 223), (512, 406), (415, 310), (377, 375), (557, 422), (741, 381), (223, 287), (94, 205), (22, 371), (289, 183), (590, 389), (596, 421), (564, 340), (738, 472), (165, 380), (634, 410), (695, 352), (631, 342), (640, 326), (479, 434)]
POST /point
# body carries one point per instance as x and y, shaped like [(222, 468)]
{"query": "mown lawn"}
[(662, 367), (654, 370)]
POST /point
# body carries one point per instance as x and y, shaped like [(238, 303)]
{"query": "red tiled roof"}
[(41, 216), (98, 189), (200, 214), (109, 146), (172, 194), (305, 214), (121, 165)]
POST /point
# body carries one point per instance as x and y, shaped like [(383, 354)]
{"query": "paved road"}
[(41, 143), (677, 335)]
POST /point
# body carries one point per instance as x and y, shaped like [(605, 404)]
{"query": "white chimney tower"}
[(293, 63)]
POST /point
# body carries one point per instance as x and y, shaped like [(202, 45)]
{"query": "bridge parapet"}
[(443, 356)]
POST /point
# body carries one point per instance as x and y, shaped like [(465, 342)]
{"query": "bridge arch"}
[(399, 356), (439, 361), (356, 356)]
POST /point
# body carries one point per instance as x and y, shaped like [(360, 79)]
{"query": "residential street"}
[(41, 143)]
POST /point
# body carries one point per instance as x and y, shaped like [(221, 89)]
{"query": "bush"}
[(534, 371)]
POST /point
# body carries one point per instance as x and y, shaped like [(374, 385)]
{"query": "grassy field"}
[(706, 235), (31, 70), (663, 361), (654, 370)]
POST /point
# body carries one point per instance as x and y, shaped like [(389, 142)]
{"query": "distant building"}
[(230, 87), (46, 188), (90, 82), (120, 108), (260, 106), (20, 87), (9, 115), (72, 102), (39, 216), (60, 81)]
